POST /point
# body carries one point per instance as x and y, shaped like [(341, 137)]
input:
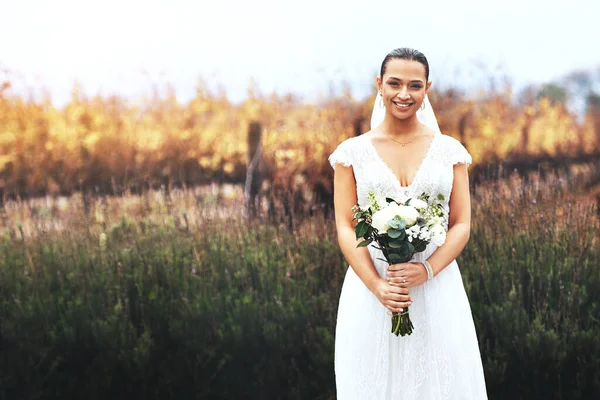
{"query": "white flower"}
[(381, 218), (435, 220), (438, 235), (418, 204), (408, 213), (413, 231)]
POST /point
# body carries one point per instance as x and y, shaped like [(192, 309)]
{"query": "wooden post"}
[(252, 184), (462, 128), (525, 129)]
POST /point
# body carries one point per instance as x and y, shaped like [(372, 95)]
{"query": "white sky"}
[(302, 46)]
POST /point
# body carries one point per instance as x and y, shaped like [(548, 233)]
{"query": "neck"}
[(399, 128)]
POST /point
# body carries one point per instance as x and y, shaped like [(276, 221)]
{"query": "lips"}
[(402, 106)]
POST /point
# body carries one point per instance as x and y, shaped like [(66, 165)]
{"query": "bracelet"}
[(428, 268)]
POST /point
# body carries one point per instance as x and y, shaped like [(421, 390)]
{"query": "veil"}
[(426, 116)]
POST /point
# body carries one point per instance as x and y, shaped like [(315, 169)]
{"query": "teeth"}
[(402, 105)]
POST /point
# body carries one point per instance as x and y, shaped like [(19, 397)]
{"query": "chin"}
[(403, 115)]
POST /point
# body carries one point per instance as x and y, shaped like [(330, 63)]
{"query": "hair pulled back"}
[(405, 53)]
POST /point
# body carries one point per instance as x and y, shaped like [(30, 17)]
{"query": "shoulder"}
[(454, 150), (345, 152), (449, 140), (352, 143)]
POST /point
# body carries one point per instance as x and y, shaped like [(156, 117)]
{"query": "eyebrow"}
[(398, 79)]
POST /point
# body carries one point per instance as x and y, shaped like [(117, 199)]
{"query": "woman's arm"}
[(344, 198), (459, 221)]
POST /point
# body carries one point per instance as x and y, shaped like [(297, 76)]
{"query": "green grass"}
[(182, 299)]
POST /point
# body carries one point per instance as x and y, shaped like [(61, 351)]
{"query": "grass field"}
[(180, 296)]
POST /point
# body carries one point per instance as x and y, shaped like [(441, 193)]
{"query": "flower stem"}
[(401, 323)]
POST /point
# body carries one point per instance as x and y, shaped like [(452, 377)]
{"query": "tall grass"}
[(180, 296)]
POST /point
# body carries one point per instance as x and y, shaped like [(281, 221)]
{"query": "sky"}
[(307, 47)]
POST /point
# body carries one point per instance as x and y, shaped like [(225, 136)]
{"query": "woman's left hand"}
[(407, 275)]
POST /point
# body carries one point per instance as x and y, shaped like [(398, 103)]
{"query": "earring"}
[(423, 105), (380, 100)]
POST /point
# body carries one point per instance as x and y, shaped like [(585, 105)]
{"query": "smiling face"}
[(403, 87)]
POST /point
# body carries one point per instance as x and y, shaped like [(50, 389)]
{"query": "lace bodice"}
[(435, 175)]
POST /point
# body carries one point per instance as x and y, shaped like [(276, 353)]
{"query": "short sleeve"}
[(341, 155), (459, 154)]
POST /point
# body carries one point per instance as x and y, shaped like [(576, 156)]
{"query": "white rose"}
[(408, 213), (438, 235), (418, 204), (381, 218)]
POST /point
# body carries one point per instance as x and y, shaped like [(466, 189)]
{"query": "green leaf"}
[(396, 243), (395, 258), (390, 200), (420, 247), (411, 248), (440, 197), (361, 229), (393, 223), (397, 234), (365, 243), (394, 233), (404, 248)]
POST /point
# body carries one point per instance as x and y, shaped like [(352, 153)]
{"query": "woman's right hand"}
[(394, 298)]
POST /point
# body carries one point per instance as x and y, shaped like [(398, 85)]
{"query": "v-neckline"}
[(393, 174)]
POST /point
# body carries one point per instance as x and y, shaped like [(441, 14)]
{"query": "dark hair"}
[(405, 53)]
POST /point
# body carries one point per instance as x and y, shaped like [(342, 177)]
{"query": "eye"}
[(416, 86), (393, 83)]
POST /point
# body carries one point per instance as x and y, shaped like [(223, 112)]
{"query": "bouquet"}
[(400, 230)]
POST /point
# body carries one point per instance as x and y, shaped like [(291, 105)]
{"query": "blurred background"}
[(166, 202)]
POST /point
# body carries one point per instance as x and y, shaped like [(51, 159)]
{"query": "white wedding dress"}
[(441, 359)]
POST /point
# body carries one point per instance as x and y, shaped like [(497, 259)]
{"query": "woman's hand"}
[(394, 298), (407, 275)]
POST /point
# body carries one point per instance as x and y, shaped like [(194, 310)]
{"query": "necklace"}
[(403, 144)]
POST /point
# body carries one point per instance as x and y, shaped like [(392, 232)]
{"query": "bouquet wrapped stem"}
[(400, 230), (401, 323)]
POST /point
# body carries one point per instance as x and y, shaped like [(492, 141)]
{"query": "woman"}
[(401, 157)]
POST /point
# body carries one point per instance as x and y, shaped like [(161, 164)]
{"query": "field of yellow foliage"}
[(108, 142)]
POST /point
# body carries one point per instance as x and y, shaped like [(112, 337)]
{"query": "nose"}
[(403, 93)]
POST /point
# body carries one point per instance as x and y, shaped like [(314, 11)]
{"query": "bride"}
[(403, 155)]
